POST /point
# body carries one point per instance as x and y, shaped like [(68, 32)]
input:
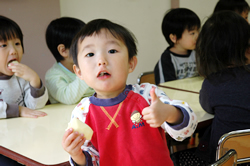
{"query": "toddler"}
[(128, 120), (21, 89)]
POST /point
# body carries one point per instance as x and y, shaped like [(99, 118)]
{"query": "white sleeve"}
[(3, 109), (178, 132)]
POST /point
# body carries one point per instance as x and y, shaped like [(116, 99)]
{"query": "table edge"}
[(25, 160), (163, 86)]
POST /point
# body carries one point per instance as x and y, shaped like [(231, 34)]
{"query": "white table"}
[(192, 84), (37, 141), (192, 99)]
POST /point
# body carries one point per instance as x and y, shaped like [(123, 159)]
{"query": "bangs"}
[(8, 34)]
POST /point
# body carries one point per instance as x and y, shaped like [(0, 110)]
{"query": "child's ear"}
[(62, 50), (173, 38), (247, 54), (77, 71), (132, 64)]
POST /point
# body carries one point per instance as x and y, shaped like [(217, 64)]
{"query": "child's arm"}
[(8, 111), (36, 95), (29, 113), (157, 113), (176, 116), (72, 142), (13, 110), (26, 73), (204, 98), (64, 90), (164, 70)]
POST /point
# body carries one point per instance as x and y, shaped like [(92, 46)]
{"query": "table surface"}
[(192, 84), (38, 139), (192, 99)]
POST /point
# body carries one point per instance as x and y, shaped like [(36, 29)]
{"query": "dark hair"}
[(233, 5), (222, 43), (10, 30), (62, 31), (95, 26), (176, 21)]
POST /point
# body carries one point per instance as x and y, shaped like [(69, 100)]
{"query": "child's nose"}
[(102, 61), (13, 51)]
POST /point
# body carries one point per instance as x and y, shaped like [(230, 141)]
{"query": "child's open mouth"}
[(12, 61), (101, 74)]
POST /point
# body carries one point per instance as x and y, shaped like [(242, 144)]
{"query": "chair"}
[(228, 159), (146, 77), (237, 140)]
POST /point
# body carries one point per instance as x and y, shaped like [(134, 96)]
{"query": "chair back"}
[(146, 77), (228, 159), (237, 140)]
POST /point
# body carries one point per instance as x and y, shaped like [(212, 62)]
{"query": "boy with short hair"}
[(128, 121), (180, 28), (63, 85), (21, 89)]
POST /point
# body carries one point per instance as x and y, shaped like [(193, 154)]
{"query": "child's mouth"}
[(12, 61), (103, 75)]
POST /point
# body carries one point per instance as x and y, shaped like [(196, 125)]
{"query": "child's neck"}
[(69, 66), (178, 50), (109, 95)]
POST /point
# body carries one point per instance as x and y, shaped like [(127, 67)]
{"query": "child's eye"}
[(90, 54), (17, 43), (3, 45), (112, 51)]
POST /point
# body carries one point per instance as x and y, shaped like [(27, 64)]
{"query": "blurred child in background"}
[(62, 83), (21, 89), (180, 28), (223, 58), (239, 6)]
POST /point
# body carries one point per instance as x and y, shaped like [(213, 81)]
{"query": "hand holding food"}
[(81, 128)]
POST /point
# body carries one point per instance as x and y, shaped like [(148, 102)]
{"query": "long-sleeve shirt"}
[(15, 91), (121, 135), (64, 86), (226, 95), (172, 66)]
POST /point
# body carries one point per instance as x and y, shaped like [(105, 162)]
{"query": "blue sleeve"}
[(185, 121)]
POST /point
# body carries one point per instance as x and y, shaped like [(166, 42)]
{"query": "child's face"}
[(244, 14), (104, 64), (9, 51), (188, 39)]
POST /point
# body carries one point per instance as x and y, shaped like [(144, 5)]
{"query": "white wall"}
[(203, 8), (33, 18), (142, 17)]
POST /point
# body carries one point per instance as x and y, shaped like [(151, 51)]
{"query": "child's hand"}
[(72, 142), (158, 112), (26, 73), (26, 112), (155, 114)]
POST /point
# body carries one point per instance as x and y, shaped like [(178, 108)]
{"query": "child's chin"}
[(9, 74)]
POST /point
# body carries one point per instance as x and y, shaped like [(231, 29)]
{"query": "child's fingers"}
[(39, 113), (77, 140), (145, 111), (74, 142), (65, 136), (29, 115), (153, 95)]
